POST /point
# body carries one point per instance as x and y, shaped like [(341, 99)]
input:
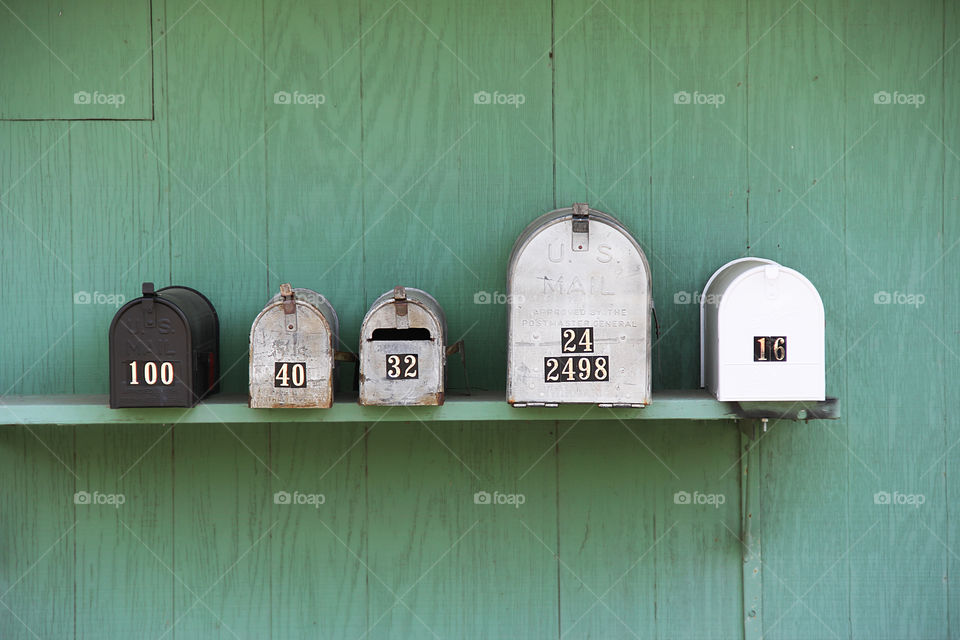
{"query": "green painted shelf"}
[(666, 405)]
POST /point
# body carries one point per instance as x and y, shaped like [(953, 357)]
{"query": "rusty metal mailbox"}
[(164, 349), (578, 324), (402, 350), (292, 351)]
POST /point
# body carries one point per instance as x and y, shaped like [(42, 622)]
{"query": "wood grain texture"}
[(36, 255), (124, 549), (896, 422), (53, 51), (798, 139), (443, 565)]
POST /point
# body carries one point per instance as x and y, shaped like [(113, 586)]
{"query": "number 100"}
[(151, 373)]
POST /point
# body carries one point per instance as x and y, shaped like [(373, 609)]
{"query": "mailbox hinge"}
[(400, 306), (580, 238), (289, 306)]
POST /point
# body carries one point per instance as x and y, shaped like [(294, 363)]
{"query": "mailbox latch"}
[(149, 319), (289, 307), (400, 306), (580, 238)]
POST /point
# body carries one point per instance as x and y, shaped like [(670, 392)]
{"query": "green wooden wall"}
[(201, 178)]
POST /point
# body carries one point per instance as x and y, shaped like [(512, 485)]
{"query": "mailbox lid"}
[(559, 280), (426, 313), (292, 361)]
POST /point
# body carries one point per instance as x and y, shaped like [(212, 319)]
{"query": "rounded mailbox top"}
[(405, 306), (307, 299), (557, 216), (192, 307)]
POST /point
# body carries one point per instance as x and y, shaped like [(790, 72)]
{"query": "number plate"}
[(577, 339), (402, 366), (770, 348), (150, 373), (290, 375), (576, 369)]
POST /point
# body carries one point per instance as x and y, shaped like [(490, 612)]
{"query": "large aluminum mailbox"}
[(761, 333), (164, 349), (579, 313), (292, 351), (402, 350)]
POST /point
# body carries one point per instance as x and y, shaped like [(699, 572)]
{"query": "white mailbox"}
[(579, 300), (761, 334), (402, 350), (292, 351)]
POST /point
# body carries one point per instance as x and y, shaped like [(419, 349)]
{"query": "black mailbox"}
[(164, 349)]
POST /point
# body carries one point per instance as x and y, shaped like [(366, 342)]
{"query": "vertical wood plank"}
[(37, 533), (216, 169), (697, 155), (948, 69), (897, 414), (442, 562), (602, 128), (412, 131), (222, 526), (798, 144), (120, 239), (35, 256), (314, 199), (124, 534), (505, 172), (318, 550)]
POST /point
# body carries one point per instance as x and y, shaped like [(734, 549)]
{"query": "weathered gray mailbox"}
[(578, 325), (402, 350), (292, 351)]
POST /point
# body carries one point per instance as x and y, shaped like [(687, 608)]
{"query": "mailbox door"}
[(402, 366), (151, 361), (291, 358), (579, 317)]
